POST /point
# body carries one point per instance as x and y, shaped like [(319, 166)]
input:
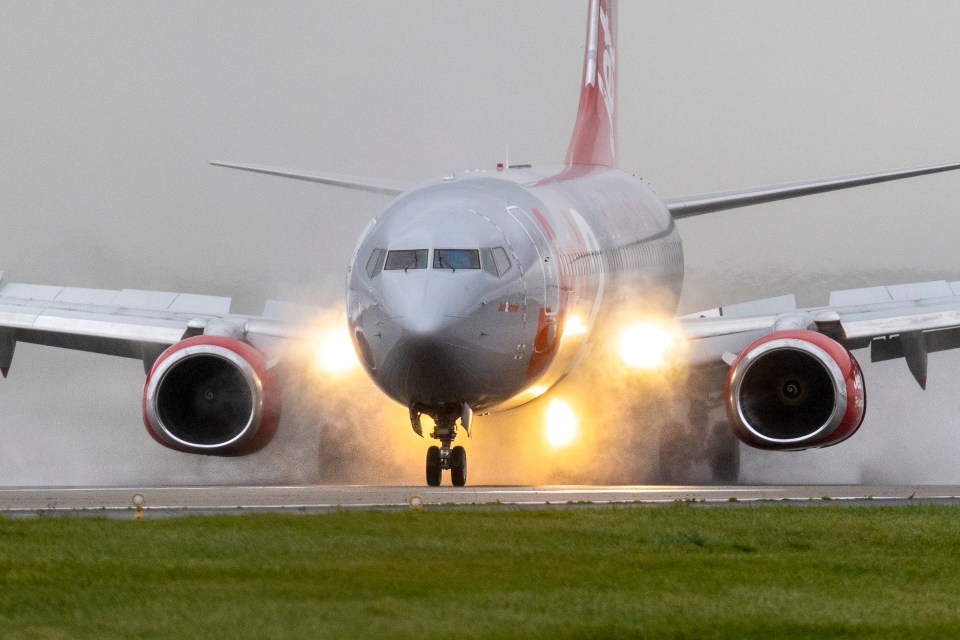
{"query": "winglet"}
[(594, 139)]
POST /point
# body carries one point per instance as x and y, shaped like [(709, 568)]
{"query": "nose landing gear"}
[(455, 461), (444, 457)]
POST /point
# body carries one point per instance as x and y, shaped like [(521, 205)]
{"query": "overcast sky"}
[(111, 110)]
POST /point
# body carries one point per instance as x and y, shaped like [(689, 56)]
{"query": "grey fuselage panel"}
[(580, 239)]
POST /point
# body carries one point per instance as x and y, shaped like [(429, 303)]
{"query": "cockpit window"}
[(403, 259), (486, 261), (375, 263), (501, 260), (456, 259), (495, 261)]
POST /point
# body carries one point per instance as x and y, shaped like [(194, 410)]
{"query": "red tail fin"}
[(594, 138)]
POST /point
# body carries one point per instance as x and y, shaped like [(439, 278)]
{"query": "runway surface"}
[(119, 501)]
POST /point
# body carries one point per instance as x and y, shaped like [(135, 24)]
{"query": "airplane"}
[(479, 293)]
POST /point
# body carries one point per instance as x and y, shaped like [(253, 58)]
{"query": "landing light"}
[(647, 345), (574, 326), (335, 354), (561, 424)]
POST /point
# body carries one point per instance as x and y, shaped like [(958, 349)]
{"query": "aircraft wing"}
[(128, 323), (898, 321), (689, 206), (371, 185)]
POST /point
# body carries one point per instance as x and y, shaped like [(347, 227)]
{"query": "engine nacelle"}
[(795, 390), (211, 395)]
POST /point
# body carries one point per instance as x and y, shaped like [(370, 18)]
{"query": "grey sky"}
[(110, 111)]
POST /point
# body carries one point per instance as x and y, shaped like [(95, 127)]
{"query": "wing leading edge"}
[(682, 207), (370, 185), (898, 321), (129, 323), (689, 206)]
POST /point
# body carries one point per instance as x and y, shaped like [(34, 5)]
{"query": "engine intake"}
[(794, 390), (211, 395)]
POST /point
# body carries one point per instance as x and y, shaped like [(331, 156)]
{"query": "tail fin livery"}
[(594, 139)]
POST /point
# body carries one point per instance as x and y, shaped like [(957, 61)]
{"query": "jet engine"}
[(211, 395), (794, 390)]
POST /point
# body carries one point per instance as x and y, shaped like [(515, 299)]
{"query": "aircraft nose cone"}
[(429, 358), (423, 306)]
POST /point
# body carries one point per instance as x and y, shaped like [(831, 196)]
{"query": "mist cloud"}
[(111, 112)]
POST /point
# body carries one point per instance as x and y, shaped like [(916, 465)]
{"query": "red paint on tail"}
[(594, 139)]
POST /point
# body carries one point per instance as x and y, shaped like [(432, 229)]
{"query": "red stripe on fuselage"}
[(546, 225), (543, 347)]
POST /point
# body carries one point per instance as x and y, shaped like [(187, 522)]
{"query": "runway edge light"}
[(138, 502)]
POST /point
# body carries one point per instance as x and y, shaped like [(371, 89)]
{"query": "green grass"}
[(677, 571)]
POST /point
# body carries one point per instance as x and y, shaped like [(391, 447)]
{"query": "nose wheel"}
[(434, 467), (458, 466), (455, 460), (444, 457)]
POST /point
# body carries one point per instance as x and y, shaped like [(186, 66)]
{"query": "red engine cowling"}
[(795, 390), (211, 395)]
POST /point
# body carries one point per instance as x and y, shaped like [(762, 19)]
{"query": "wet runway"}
[(157, 501)]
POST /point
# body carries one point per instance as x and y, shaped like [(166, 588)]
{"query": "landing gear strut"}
[(444, 456)]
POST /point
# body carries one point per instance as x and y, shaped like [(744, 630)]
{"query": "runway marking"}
[(241, 499)]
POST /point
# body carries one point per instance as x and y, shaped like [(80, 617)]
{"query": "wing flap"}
[(200, 304), (894, 293), (765, 306), (892, 348), (122, 299), (289, 312), (896, 321), (888, 323), (131, 323), (31, 320)]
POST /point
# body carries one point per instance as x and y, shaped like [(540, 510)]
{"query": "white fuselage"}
[(484, 289)]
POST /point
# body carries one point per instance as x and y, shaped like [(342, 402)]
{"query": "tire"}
[(458, 466), (434, 469)]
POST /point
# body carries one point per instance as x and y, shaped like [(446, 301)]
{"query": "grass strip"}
[(660, 572)]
